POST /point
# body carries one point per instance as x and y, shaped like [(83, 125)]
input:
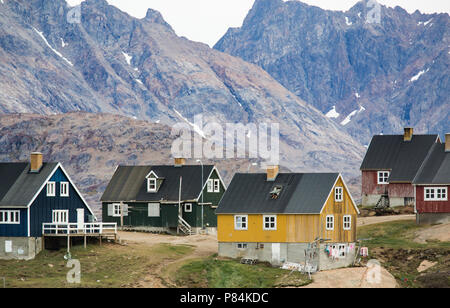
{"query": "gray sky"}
[(207, 20)]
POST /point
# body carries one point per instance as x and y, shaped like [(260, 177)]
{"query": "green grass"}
[(214, 273), (101, 266), (393, 244), (396, 234)]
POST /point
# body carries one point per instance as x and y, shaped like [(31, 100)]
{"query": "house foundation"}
[(302, 253), (20, 248), (432, 218)]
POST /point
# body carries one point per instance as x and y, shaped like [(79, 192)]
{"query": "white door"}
[(80, 218), (276, 247)]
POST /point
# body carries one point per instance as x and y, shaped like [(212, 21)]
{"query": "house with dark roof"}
[(303, 218), (432, 184), (33, 194), (166, 198), (390, 166)]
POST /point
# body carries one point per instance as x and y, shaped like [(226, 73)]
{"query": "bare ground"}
[(206, 245), (434, 233), (351, 278), (365, 221), (159, 277)]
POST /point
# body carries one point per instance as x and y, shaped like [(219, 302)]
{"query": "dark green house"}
[(164, 198)]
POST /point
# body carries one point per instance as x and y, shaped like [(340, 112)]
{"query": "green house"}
[(169, 198)]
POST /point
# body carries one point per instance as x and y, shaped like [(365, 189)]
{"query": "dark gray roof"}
[(302, 193), (436, 169), (403, 158), (129, 183), (19, 186)]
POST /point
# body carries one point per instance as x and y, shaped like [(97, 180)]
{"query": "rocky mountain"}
[(90, 146), (96, 58), (373, 69)]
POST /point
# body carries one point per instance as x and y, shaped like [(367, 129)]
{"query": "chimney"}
[(408, 134), (447, 142), (272, 172), (36, 162), (179, 162)]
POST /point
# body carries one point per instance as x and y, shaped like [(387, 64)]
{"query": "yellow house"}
[(304, 218)]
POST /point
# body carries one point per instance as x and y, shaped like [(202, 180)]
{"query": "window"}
[(270, 222), (347, 222), (330, 222), (383, 177), (116, 210), (342, 251), (151, 185), (338, 194), (60, 216), (10, 217), (240, 222), (64, 189), (435, 194), (188, 207), (209, 185), (216, 186), (51, 191), (153, 210), (242, 245)]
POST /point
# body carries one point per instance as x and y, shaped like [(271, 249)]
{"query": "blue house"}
[(32, 194)]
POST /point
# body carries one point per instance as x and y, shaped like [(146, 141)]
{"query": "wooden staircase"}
[(184, 227), (383, 203)]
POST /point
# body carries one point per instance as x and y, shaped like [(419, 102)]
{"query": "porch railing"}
[(76, 228)]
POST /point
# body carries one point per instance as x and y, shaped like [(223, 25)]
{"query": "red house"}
[(390, 166), (432, 185)]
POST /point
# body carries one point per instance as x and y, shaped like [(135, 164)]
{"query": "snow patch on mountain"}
[(332, 113), (49, 46)]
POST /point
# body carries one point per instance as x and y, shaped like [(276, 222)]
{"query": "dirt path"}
[(365, 221), (159, 276), (438, 233), (351, 278)]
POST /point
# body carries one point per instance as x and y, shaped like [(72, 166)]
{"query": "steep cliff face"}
[(107, 61), (373, 71)]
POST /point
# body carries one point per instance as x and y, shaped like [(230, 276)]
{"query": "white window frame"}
[(153, 213), (435, 194), (51, 189), (241, 245), (266, 224), (116, 210), (238, 223), (210, 186), (60, 216), (338, 194), (216, 185), (384, 176), (329, 224), (188, 207), (10, 217), (64, 189), (347, 225), (150, 183)]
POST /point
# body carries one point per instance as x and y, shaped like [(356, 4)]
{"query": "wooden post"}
[(68, 243), (121, 215), (85, 241)]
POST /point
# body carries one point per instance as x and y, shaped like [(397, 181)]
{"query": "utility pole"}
[(201, 189)]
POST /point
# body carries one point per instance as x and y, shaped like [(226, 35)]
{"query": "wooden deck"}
[(85, 230)]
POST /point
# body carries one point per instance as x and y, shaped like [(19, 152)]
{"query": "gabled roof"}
[(20, 185), (403, 158), (436, 168), (129, 183), (301, 193)]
